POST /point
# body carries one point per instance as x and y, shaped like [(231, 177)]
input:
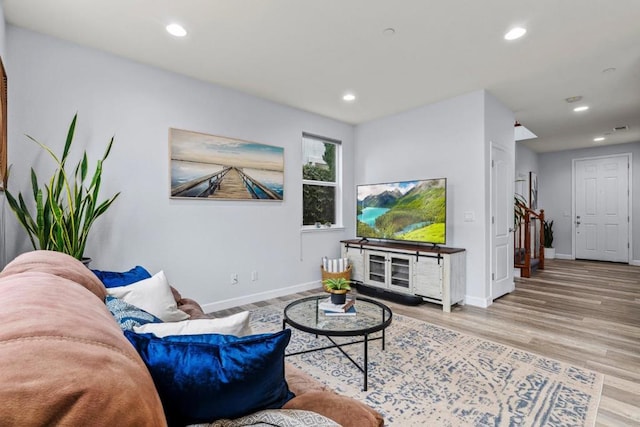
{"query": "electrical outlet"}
[(254, 276), (234, 278)]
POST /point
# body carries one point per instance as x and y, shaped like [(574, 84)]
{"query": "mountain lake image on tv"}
[(413, 211)]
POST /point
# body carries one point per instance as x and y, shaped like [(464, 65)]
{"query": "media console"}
[(407, 271)]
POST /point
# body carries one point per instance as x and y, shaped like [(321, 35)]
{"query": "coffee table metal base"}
[(364, 369)]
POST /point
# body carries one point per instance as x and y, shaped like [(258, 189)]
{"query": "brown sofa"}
[(65, 361)]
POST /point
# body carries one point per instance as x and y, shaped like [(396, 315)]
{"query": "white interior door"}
[(501, 223), (602, 208)]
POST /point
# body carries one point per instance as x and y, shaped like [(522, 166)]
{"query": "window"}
[(321, 181)]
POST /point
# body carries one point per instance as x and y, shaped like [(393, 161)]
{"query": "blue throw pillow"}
[(113, 279), (128, 315), (202, 378)]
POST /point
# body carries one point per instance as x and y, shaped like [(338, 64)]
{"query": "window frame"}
[(337, 184)]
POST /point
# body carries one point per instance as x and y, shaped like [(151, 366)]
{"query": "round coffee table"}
[(371, 317)]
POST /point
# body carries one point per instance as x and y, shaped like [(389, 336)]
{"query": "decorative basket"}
[(346, 274)]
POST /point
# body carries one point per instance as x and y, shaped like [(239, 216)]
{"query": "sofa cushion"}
[(152, 295), (344, 410), (236, 324), (127, 315), (58, 264), (113, 279), (65, 361), (201, 378)]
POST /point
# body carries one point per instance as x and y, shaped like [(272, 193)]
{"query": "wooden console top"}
[(356, 243)]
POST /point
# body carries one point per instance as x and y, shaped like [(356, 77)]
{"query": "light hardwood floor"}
[(584, 313)]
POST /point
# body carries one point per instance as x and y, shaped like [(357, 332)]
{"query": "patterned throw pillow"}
[(128, 315)]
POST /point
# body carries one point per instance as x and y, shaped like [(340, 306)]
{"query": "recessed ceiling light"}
[(349, 97), (609, 70), (581, 108), (389, 32), (176, 30), (515, 33), (598, 139)]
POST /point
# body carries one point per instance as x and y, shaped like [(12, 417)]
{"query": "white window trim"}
[(337, 184)]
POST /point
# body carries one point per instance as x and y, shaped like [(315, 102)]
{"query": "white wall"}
[(498, 121), (198, 243), (526, 161), (448, 139), (554, 192)]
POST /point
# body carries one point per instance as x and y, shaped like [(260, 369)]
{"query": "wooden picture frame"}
[(3, 127)]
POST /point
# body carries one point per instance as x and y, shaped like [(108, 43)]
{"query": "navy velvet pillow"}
[(113, 279), (128, 315), (202, 378)]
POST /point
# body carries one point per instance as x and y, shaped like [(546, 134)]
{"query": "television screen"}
[(414, 211)]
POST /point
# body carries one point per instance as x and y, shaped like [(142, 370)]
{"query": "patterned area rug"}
[(429, 375)]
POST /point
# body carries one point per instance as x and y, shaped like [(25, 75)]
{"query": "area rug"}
[(430, 375)]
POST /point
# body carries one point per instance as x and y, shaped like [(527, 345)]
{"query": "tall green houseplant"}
[(65, 206)]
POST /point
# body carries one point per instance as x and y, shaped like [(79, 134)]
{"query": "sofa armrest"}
[(192, 308), (189, 306), (312, 395)]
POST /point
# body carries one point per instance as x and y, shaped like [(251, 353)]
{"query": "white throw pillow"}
[(236, 324), (152, 295)]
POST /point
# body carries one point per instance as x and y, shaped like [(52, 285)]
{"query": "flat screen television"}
[(413, 211)]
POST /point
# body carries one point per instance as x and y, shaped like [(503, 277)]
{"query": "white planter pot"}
[(549, 253)]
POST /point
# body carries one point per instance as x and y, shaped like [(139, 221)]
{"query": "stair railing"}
[(528, 241)]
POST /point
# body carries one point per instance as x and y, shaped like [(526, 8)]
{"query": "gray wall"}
[(554, 192), (198, 244), (526, 161), (448, 139)]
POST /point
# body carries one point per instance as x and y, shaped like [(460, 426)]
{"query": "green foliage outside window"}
[(319, 201)]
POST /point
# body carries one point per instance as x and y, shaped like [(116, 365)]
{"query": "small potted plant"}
[(549, 250), (338, 287)]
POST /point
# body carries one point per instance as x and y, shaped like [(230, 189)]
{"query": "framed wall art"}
[(216, 167), (533, 191)]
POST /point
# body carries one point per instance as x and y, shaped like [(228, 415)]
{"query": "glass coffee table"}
[(371, 317)]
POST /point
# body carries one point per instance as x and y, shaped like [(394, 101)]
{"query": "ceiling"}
[(307, 54)]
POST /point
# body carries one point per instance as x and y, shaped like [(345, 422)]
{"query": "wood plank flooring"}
[(581, 312)]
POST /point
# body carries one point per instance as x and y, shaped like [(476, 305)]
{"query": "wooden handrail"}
[(527, 252)]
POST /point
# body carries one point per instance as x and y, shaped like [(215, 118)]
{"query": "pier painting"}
[(216, 167)]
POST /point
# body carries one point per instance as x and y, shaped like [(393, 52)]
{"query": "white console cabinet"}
[(435, 274)]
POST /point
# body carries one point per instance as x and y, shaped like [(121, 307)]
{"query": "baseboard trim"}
[(478, 302), (564, 256), (635, 262), (261, 296)]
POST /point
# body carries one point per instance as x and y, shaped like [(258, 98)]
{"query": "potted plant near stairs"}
[(549, 250), (338, 287), (66, 206)]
